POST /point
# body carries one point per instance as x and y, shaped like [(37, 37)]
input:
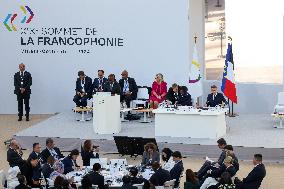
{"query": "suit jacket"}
[(96, 83), (115, 89), (97, 179), (255, 177), (217, 100), (176, 172), (131, 85), (86, 156), (88, 86), (184, 99), (68, 164), (128, 186), (160, 177), (46, 170), (45, 154), (33, 155), (146, 158), (216, 173), (171, 96), (221, 157), (14, 158), (27, 82)]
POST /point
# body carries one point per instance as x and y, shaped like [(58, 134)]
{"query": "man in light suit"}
[(99, 82), (255, 177), (215, 98), (84, 89), (112, 86), (22, 83), (128, 87)]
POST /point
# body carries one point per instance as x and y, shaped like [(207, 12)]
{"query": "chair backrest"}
[(169, 184), (142, 94), (280, 98), (139, 186), (2, 178)]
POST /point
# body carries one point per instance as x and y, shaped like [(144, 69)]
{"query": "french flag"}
[(228, 82)]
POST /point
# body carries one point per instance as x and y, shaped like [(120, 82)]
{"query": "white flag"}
[(195, 79)]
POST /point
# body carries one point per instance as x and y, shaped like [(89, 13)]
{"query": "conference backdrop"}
[(56, 39)]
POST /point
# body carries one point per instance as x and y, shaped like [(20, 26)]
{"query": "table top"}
[(191, 111), (144, 110)]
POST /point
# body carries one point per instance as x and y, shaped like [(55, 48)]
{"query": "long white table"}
[(193, 123)]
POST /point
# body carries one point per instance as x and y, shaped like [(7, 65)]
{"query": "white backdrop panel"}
[(155, 39)]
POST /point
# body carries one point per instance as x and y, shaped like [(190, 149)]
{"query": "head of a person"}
[(101, 73), (81, 75), (257, 159), (133, 171), (156, 166), (229, 148), (159, 77), (59, 167), (175, 88), (97, 167), (58, 182), (190, 176), (124, 74), (126, 179), (228, 161), (74, 154), (183, 90), (214, 89), (14, 144), (22, 179), (50, 160), (166, 154), (221, 143), (176, 156), (88, 145), (22, 67), (111, 77), (150, 148), (225, 178), (36, 147), (49, 143), (86, 182)]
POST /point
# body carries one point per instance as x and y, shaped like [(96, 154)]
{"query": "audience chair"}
[(2, 178), (169, 184), (142, 97), (280, 103)]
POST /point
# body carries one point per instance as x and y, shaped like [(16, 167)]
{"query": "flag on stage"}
[(228, 82), (195, 79)]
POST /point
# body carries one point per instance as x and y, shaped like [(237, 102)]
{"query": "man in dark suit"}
[(99, 82), (96, 178), (22, 83), (111, 85), (160, 176), (128, 87), (36, 152), (14, 155), (50, 150), (84, 89), (127, 183), (173, 94), (215, 98), (177, 170), (255, 177), (70, 161), (47, 168)]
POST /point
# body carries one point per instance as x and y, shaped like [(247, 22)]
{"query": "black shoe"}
[(27, 118), (20, 118)]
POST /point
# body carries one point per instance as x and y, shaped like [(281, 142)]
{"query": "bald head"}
[(22, 67), (124, 74)]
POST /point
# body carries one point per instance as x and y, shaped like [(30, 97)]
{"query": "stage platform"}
[(249, 134)]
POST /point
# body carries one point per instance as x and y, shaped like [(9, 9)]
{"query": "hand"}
[(22, 90), (209, 171)]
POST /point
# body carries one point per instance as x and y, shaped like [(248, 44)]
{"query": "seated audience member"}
[(255, 177), (230, 152), (128, 87), (23, 182), (160, 176), (86, 183), (89, 151), (227, 166), (159, 91), (150, 154), (173, 94), (184, 97), (99, 82), (12, 179), (58, 168), (58, 182), (95, 177), (215, 98), (14, 155), (191, 181), (47, 168), (36, 152), (51, 150), (127, 183), (112, 85), (32, 172), (133, 172), (70, 161), (211, 165), (168, 159), (177, 170), (84, 90)]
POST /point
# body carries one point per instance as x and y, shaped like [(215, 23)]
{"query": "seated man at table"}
[(160, 176), (173, 94), (184, 97), (215, 98), (129, 88), (95, 176), (112, 86), (70, 161), (84, 88)]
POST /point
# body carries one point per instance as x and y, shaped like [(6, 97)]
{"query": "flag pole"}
[(231, 113), (195, 40)]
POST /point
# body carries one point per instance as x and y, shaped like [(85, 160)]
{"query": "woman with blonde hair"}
[(159, 91), (150, 154)]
